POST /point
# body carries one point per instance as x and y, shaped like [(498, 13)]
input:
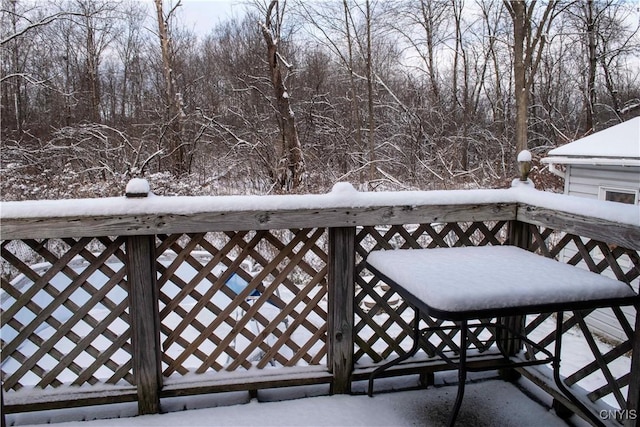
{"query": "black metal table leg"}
[(558, 380), (411, 352), (462, 373)]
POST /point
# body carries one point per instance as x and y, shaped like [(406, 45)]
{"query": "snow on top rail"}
[(343, 195), (343, 206)]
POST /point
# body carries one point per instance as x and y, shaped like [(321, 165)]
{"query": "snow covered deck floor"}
[(489, 402)]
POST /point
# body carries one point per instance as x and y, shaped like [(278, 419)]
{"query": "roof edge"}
[(595, 161)]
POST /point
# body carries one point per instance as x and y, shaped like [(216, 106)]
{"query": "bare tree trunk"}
[(518, 12), (429, 17), (356, 121), (593, 64), (174, 113), (460, 120), (499, 114), (372, 124), (95, 24), (93, 81), (290, 168), (527, 51), (15, 50)]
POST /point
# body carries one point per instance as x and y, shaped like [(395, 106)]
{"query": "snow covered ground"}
[(488, 402)]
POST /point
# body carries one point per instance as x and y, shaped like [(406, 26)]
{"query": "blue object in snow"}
[(237, 284)]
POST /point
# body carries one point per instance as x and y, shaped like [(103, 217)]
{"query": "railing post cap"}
[(524, 164), (137, 187)]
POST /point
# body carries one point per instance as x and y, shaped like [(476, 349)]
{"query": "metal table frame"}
[(462, 321)]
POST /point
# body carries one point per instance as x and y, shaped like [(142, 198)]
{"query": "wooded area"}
[(296, 95)]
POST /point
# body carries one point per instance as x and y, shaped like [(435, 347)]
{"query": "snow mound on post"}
[(524, 156), (343, 189), (137, 187)]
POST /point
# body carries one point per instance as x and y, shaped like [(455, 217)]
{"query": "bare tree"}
[(173, 130), (491, 16), (609, 36), (19, 20), (370, 79), (430, 17), (356, 121), (332, 26), (96, 20), (290, 169), (530, 35), (130, 45)]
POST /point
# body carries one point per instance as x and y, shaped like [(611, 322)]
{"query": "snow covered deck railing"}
[(125, 299), (342, 207)]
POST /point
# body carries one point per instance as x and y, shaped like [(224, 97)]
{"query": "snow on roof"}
[(617, 145)]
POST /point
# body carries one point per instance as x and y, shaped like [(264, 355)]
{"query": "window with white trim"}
[(620, 195)]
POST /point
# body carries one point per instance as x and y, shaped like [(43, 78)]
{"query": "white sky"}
[(202, 15)]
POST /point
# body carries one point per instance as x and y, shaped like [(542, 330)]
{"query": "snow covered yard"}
[(488, 402)]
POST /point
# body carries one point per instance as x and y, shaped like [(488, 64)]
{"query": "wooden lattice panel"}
[(242, 299), (383, 319), (603, 369), (64, 313)]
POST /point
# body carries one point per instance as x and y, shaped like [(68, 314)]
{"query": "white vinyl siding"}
[(585, 181)]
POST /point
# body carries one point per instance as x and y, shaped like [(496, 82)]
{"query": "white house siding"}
[(585, 181)]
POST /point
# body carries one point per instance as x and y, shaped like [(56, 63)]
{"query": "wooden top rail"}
[(342, 207), (621, 234), (249, 220)]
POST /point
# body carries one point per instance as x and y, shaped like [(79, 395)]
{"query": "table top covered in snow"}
[(468, 282)]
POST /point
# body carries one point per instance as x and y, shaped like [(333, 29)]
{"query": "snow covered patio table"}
[(467, 283)]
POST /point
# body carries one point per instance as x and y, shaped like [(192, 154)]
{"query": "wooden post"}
[(632, 416), (520, 236), (145, 322), (2, 413), (508, 343), (341, 276)]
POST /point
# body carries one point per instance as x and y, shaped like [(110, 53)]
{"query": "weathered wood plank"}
[(246, 383), (624, 235), (341, 278), (123, 225), (145, 322), (16, 402)]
